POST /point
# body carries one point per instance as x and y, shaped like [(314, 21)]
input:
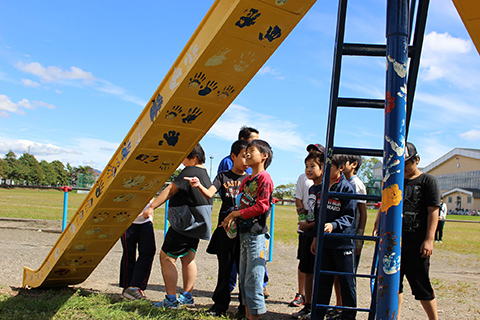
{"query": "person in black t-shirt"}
[(227, 249), (189, 214)]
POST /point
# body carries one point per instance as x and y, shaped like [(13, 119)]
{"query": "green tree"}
[(33, 171), (16, 171), (49, 175), (61, 174), (4, 169), (174, 175), (285, 191), (366, 169)]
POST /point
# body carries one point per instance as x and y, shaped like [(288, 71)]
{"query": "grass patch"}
[(69, 303)]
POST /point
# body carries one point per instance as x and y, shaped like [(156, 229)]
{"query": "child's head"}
[(237, 153), (352, 164), (263, 149), (247, 133), (197, 156), (314, 166), (338, 164)]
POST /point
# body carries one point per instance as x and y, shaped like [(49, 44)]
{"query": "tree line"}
[(26, 170)]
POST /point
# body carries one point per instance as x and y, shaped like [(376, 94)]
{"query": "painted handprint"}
[(173, 113), (133, 182), (280, 2), (192, 115), (177, 73), (225, 93), (157, 104), (211, 85), (244, 62), (99, 189), (197, 80), (126, 149), (165, 165), (271, 34), (249, 19), (191, 55), (218, 58), (150, 185), (171, 137)]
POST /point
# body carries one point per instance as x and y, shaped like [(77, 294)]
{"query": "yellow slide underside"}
[(233, 41), (469, 11)]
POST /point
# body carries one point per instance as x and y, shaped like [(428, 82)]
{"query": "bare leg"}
[(169, 273), (400, 302), (338, 293), (430, 308), (308, 287), (301, 282), (189, 271), (250, 316)]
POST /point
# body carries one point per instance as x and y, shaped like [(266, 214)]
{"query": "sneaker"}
[(166, 304), (266, 294), (298, 301), (440, 241), (184, 301), (131, 293), (213, 311), (333, 314), (302, 313)]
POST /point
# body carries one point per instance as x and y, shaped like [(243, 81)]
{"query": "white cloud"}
[(35, 148), (471, 135), (449, 109), (56, 74), (268, 70), (30, 83), (7, 106), (442, 55), (279, 133), (111, 89)]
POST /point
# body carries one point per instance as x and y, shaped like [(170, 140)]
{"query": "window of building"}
[(469, 199), (450, 199)]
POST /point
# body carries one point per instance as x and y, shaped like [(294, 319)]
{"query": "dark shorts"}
[(304, 254), (416, 269), (176, 245)]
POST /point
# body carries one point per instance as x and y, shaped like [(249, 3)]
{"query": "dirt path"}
[(455, 277)]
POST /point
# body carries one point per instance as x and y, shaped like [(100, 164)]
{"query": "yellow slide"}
[(469, 11), (233, 41)]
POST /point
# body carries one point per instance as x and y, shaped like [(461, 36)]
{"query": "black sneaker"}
[(302, 314), (213, 311)]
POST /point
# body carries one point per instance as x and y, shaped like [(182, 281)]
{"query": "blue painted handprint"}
[(211, 85), (126, 149), (157, 104), (192, 115), (249, 19), (99, 189), (272, 34)]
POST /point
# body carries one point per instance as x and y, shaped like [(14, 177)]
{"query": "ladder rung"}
[(359, 151), (352, 236), (337, 273), (361, 103), (369, 50), (341, 307), (356, 196)]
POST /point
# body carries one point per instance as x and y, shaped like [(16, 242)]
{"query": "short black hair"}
[(245, 132), (197, 152), (238, 146), (355, 158), (264, 148), (316, 156), (339, 160)]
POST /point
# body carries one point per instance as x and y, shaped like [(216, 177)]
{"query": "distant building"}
[(458, 176)]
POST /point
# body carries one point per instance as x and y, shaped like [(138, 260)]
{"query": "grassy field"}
[(68, 303)]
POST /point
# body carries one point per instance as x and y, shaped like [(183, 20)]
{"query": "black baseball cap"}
[(316, 147), (410, 151)]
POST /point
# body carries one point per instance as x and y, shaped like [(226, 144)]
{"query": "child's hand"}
[(313, 247), (328, 228), (227, 221), (194, 182), (303, 225)]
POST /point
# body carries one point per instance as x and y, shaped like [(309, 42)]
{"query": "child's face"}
[(240, 161), (350, 167), (254, 156), (336, 171), (189, 162), (312, 170)]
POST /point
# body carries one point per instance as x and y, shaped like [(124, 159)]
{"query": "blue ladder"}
[(417, 12)]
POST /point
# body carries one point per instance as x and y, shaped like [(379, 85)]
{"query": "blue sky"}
[(75, 75)]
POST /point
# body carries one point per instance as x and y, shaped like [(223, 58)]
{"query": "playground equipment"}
[(469, 11), (233, 41)]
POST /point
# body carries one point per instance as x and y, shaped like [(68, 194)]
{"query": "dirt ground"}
[(26, 243)]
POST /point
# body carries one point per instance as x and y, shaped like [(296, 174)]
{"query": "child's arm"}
[(166, 194), (304, 226), (195, 183)]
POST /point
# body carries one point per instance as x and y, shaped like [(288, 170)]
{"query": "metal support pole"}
[(272, 232), (390, 227), (66, 190), (165, 229)]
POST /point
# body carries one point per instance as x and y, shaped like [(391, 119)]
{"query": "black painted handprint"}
[(192, 115), (249, 19), (225, 93), (173, 113), (272, 34), (165, 165), (211, 85), (99, 189), (171, 137), (196, 80), (126, 149)]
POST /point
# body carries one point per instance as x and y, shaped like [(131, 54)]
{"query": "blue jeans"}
[(251, 271)]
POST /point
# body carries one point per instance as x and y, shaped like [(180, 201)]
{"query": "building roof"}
[(470, 191), (470, 153)]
